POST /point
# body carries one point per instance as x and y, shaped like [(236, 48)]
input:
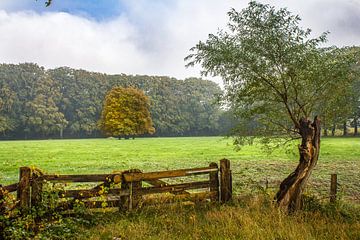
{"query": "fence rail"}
[(10, 188), (125, 189)]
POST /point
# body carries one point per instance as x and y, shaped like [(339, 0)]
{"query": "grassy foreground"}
[(251, 216), (251, 166)]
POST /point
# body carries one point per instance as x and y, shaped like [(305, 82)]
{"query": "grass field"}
[(250, 216), (251, 166)]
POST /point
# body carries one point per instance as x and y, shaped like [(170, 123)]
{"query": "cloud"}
[(340, 18), (168, 31), (61, 39), (146, 37)]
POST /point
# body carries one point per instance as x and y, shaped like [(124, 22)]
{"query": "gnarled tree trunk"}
[(290, 193)]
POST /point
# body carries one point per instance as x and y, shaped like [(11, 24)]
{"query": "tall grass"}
[(252, 217)]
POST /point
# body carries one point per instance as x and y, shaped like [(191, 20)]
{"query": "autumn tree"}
[(126, 113), (278, 77)]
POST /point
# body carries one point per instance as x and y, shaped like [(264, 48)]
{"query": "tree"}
[(82, 94), (199, 106), (277, 76), (355, 100), (7, 98), (43, 116), (29, 93), (126, 113), (40, 113), (28, 99)]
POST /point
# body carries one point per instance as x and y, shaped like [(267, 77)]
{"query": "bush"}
[(44, 221)]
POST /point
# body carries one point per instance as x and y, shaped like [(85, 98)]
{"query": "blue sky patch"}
[(96, 9)]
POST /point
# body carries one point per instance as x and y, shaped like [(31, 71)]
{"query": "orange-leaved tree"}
[(126, 113)]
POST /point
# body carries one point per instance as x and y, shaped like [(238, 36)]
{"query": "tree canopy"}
[(273, 71), (126, 113), (68, 102), (278, 77)]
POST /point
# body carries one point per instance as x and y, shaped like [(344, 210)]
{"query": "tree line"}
[(65, 102)]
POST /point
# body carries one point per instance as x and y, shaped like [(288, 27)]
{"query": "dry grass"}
[(247, 218)]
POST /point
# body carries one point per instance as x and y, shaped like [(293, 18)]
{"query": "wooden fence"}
[(126, 189)]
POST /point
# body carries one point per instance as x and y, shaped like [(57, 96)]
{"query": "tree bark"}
[(355, 127), (345, 129), (289, 195), (325, 128)]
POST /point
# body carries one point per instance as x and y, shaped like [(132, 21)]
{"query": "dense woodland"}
[(64, 102)]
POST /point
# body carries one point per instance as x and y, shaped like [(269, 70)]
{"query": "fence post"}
[(333, 188), (123, 199), (214, 182), (128, 203), (23, 193), (225, 181), (2, 200), (36, 187)]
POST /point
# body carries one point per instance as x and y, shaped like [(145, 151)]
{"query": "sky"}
[(149, 37)]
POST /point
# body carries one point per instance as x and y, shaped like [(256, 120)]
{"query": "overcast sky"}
[(142, 36)]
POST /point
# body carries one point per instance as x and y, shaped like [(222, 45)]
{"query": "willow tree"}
[(126, 113), (278, 77)]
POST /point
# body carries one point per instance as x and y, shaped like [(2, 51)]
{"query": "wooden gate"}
[(127, 189)]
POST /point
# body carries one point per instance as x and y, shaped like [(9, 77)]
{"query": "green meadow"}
[(252, 167), (251, 214)]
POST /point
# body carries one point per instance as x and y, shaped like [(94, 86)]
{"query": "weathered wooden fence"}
[(126, 189)]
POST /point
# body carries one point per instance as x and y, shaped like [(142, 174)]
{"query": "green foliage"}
[(28, 100), (274, 73), (126, 113), (67, 102), (345, 107), (44, 221), (82, 97)]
